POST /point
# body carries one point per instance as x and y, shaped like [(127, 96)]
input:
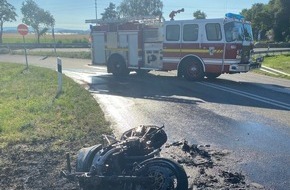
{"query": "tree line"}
[(270, 21), (135, 8)]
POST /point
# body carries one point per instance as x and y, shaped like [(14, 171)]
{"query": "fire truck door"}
[(171, 45), (133, 49), (98, 43)]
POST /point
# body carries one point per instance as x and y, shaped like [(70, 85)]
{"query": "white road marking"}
[(248, 95)]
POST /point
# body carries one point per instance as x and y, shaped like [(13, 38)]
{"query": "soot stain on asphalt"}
[(206, 168)]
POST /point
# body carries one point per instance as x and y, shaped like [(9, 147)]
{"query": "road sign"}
[(22, 29)]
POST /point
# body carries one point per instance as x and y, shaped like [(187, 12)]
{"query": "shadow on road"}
[(173, 89)]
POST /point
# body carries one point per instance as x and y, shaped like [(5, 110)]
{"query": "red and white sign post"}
[(23, 30)]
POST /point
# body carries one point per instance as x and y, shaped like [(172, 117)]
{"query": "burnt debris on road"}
[(206, 168)]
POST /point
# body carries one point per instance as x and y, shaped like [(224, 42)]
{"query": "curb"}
[(273, 71)]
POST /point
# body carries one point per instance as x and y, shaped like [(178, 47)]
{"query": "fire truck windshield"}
[(237, 31)]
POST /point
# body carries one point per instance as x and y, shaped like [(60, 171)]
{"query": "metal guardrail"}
[(272, 51)]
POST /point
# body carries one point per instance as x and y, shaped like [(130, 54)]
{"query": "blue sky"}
[(72, 14)]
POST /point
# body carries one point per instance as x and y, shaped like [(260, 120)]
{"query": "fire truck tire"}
[(118, 66), (193, 70), (212, 76)]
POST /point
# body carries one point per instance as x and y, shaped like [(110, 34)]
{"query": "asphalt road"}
[(250, 119), (247, 114)]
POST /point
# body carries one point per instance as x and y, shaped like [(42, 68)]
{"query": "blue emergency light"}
[(235, 16)]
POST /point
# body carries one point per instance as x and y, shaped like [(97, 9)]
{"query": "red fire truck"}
[(195, 48)]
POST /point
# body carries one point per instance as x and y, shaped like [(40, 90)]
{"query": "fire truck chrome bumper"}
[(239, 68), (245, 67)]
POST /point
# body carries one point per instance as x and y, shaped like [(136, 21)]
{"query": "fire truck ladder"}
[(147, 20)]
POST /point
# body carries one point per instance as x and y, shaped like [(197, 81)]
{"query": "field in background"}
[(59, 38)]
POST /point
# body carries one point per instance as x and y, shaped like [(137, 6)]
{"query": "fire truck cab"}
[(195, 48)]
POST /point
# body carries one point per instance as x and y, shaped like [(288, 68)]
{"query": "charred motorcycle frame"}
[(131, 163)]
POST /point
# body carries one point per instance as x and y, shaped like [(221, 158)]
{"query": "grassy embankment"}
[(30, 112), (278, 62)]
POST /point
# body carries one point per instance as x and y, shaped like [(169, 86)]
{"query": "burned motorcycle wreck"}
[(131, 163)]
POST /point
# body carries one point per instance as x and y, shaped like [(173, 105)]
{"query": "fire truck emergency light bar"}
[(235, 16)]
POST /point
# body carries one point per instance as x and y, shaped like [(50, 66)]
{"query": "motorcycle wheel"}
[(166, 175)]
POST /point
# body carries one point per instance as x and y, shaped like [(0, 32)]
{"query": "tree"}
[(272, 19), (36, 17), (7, 14), (199, 15), (261, 18), (280, 10), (135, 8), (110, 12)]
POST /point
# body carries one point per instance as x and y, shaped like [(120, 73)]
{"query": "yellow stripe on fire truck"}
[(191, 51), (219, 51)]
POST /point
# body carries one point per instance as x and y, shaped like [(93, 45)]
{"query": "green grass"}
[(279, 62), (30, 113)]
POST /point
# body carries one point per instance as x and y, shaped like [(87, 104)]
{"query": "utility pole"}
[(96, 7), (93, 21)]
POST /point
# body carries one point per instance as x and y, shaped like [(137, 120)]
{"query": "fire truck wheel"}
[(193, 70), (212, 76), (118, 66)]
